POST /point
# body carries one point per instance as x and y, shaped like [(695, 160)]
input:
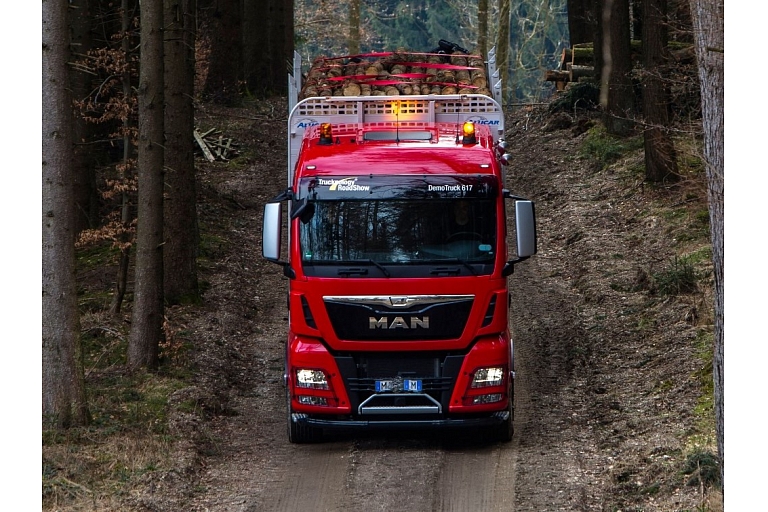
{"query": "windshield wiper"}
[(444, 270), (348, 271)]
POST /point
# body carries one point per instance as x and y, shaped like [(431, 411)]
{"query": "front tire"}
[(504, 432), (297, 432)]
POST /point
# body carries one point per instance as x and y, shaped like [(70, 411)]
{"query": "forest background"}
[(742, 142)]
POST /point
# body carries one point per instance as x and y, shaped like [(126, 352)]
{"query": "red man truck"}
[(397, 263)]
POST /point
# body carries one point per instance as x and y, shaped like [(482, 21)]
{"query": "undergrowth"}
[(605, 149), (681, 211), (128, 434)]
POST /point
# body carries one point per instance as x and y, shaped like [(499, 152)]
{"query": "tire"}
[(504, 432), (298, 433)]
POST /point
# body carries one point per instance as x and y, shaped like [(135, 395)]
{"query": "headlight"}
[(311, 379), (485, 377)]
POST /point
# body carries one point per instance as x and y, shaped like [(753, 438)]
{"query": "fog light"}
[(311, 379), (486, 399), (311, 400), (485, 377)]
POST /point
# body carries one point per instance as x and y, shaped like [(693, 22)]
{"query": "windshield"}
[(399, 231)]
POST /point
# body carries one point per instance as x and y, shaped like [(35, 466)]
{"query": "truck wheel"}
[(503, 432), (298, 433)]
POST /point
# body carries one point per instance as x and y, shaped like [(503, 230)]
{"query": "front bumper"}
[(496, 418)]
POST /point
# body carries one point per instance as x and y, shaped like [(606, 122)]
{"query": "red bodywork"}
[(490, 345)]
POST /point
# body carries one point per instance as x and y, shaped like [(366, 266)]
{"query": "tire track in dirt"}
[(477, 478), (393, 471), (554, 445), (312, 478)]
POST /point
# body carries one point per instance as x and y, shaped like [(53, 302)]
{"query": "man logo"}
[(398, 323)]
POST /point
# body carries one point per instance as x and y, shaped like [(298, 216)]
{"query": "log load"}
[(399, 73)]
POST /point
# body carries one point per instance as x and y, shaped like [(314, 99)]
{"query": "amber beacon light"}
[(468, 131), (326, 134)]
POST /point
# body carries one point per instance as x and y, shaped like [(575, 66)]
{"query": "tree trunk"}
[(180, 202), (284, 34), (599, 45), (616, 87), (121, 281), (482, 28), (64, 402), (267, 45), (636, 18), (709, 36), (353, 40), (581, 21), (147, 317), (84, 180), (225, 64), (502, 47), (660, 156)]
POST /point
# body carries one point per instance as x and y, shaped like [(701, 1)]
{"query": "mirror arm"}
[(509, 267), (285, 195)]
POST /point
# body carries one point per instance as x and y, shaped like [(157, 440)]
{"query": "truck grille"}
[(396, 318), (436, 371)]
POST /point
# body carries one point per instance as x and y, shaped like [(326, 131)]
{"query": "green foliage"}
[(90, 258), (678, 278), (211, 245), (705, 352), (95, 255), (702, 468), (605, 149)]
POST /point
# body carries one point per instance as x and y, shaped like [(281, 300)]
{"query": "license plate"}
[(413, 385)]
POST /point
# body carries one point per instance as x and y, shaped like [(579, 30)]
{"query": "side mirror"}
[(525, 223), (525, 226), (272, 231)]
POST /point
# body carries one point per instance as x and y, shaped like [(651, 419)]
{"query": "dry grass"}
[(95, 467)]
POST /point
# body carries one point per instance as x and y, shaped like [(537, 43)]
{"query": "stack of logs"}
[(578, 62), (397, 73), (575, 63)]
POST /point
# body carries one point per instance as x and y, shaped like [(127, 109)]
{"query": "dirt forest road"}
[(584, 439)]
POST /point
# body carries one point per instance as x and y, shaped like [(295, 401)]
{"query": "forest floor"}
[(612, 322)]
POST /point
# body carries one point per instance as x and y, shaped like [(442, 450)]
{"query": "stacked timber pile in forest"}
[(578, 62), (575, 62), (396, 73)]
